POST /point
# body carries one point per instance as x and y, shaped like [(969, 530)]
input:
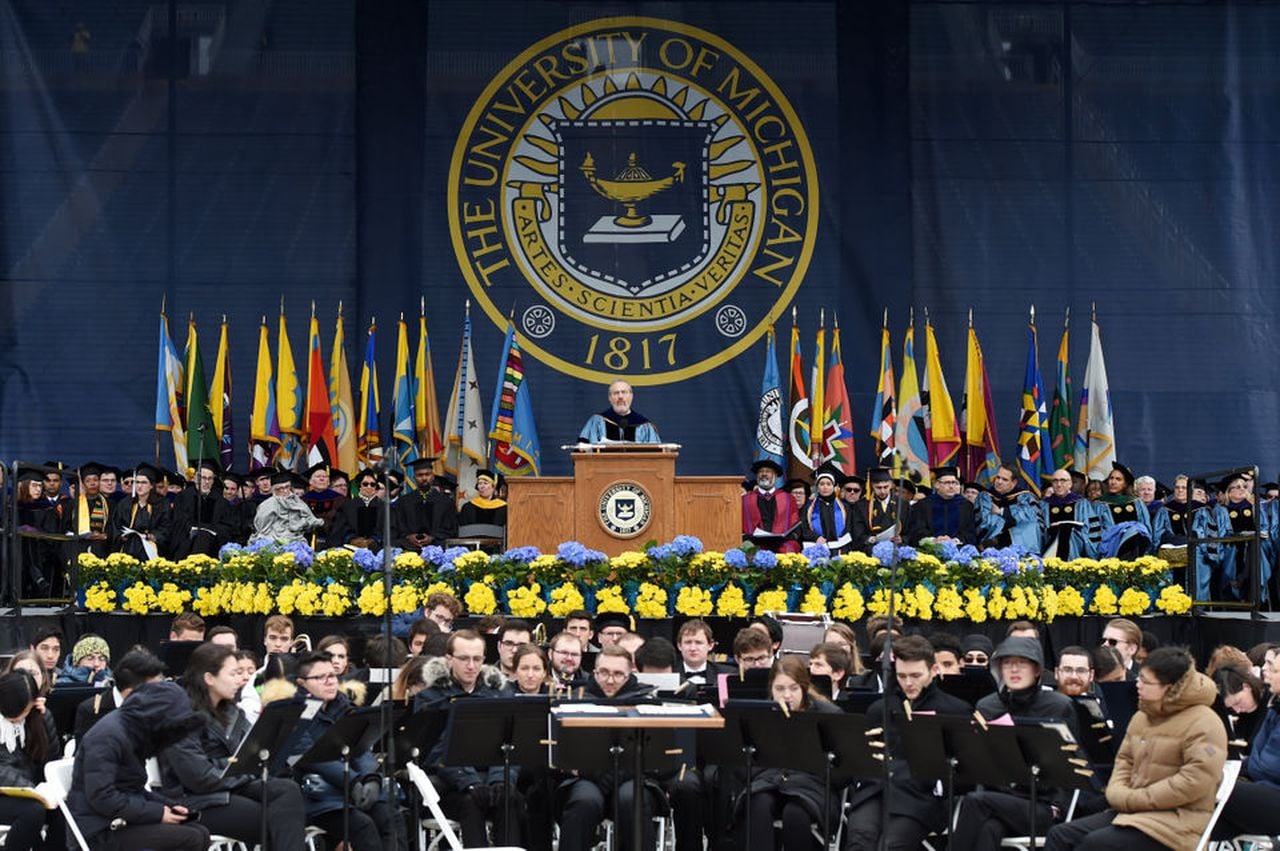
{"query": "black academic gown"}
[(154, 518), (870, 518), (202, 523), (430, 513), (472, 513), (357, 519), (935, 517)]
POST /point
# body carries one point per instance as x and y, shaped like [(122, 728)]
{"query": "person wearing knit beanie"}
[(87, 663)]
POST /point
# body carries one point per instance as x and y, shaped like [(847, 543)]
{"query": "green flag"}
[(202, 438)]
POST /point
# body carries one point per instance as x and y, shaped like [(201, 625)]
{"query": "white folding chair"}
[(439, 821), (57, 773), (1024, 842), (1230, 773)]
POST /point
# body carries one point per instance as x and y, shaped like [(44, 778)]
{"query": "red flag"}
[(322, 445)]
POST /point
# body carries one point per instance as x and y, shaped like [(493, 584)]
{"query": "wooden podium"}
[(620, 496)]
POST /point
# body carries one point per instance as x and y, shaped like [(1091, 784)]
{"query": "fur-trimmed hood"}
[(278, 689), (436, 675)]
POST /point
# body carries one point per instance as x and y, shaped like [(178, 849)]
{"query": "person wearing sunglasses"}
[(976, 650), (1125, 636), (988, 816)]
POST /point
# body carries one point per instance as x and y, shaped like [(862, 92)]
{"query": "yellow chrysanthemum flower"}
[(1104, 601), (814, 602), (480, 599), (1173, 600), (949, 605), (773, 600), (610, 599), (371, 600), (565, 598), (974, 605), (732, 603), (99, 597), (404, 598), (139, 599), (651, 601), (526, 602), (1070, 602), (1134, 602), (629, 559), (171, 599), (336, 600), (471, 560), (694, 602), (848, 605)]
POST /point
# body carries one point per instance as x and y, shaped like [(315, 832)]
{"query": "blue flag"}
[(1033, 428), (769, 421)]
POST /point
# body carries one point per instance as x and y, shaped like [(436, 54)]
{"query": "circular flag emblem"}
[(644, 194), (625, 509)]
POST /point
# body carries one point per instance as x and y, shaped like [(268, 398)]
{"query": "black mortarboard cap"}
[(338, 475), (322, 467), (608, 619), (92, 468), (770, 464), (940, 472), (210, 464), (1124, 471), (880, 474), (422, 462), (282, 477), (830, 470), (150, 472), (29, 474)]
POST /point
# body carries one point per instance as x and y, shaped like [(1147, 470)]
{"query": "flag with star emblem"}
[(468, 449)]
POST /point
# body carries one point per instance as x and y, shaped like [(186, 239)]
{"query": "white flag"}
[(468, 446), (1095, 429)]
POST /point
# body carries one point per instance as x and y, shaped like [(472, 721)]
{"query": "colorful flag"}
[(202, 440), (289, 401), (941, 432), (981, 457), (837, 434), (264, 428), (1095, 428), (322, 446), (466, 449), (1060, 431), (402, 438), (884, 415), (769, 419), (220, 401), (368, 437), (171, 383), (340, 402), (1031, 427), (516, 451), (799, 464), (426, 410), (817, 402), (909, 433)]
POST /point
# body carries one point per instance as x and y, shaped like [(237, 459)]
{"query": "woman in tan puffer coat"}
[(1167, 772)]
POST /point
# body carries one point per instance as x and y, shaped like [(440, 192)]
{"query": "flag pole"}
[(1066, 320)]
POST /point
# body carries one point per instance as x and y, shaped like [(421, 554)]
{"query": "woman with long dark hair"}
[(142, 518), (532, 672), (192, 769), (794, 797), (24, 749)]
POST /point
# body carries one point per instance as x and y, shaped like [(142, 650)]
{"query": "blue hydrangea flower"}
[(367, 561), (302, 553), (966, 554), (578, 555), (522, 554), (260, 544), (433, 555), (735, 558), (230, 549), (451, 554), (948, 551), (659, 551), (686, 546), (883, 552), (764, 559), (816, 552)]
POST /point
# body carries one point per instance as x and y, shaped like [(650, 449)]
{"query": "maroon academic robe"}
[(785, 516)]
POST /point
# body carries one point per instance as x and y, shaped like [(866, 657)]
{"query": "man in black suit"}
[(695, 642), (916, 811)]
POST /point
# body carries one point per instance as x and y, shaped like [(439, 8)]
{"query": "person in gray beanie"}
[(988, 816)]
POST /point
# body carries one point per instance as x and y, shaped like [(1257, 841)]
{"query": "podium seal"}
[(625, 509)]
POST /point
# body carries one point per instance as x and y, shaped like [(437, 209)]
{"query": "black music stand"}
[(265, 740), (349, 737), (412, 735), (513, 731), (970, 685)]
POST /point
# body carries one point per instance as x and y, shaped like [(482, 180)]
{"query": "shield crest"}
[(625, 509), (634, 202)]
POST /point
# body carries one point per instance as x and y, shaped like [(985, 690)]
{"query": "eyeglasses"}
[(1111, 642), (1075, 672), (568, 654), (324, 678), (602, 674), (754, 660), (510, 645)]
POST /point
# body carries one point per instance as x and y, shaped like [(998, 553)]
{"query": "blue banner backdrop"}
[(643, 188)]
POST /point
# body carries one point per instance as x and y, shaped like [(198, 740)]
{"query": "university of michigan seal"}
[(625, 509), (641, 192)]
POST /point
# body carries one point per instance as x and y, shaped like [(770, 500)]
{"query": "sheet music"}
[(701, 711)]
